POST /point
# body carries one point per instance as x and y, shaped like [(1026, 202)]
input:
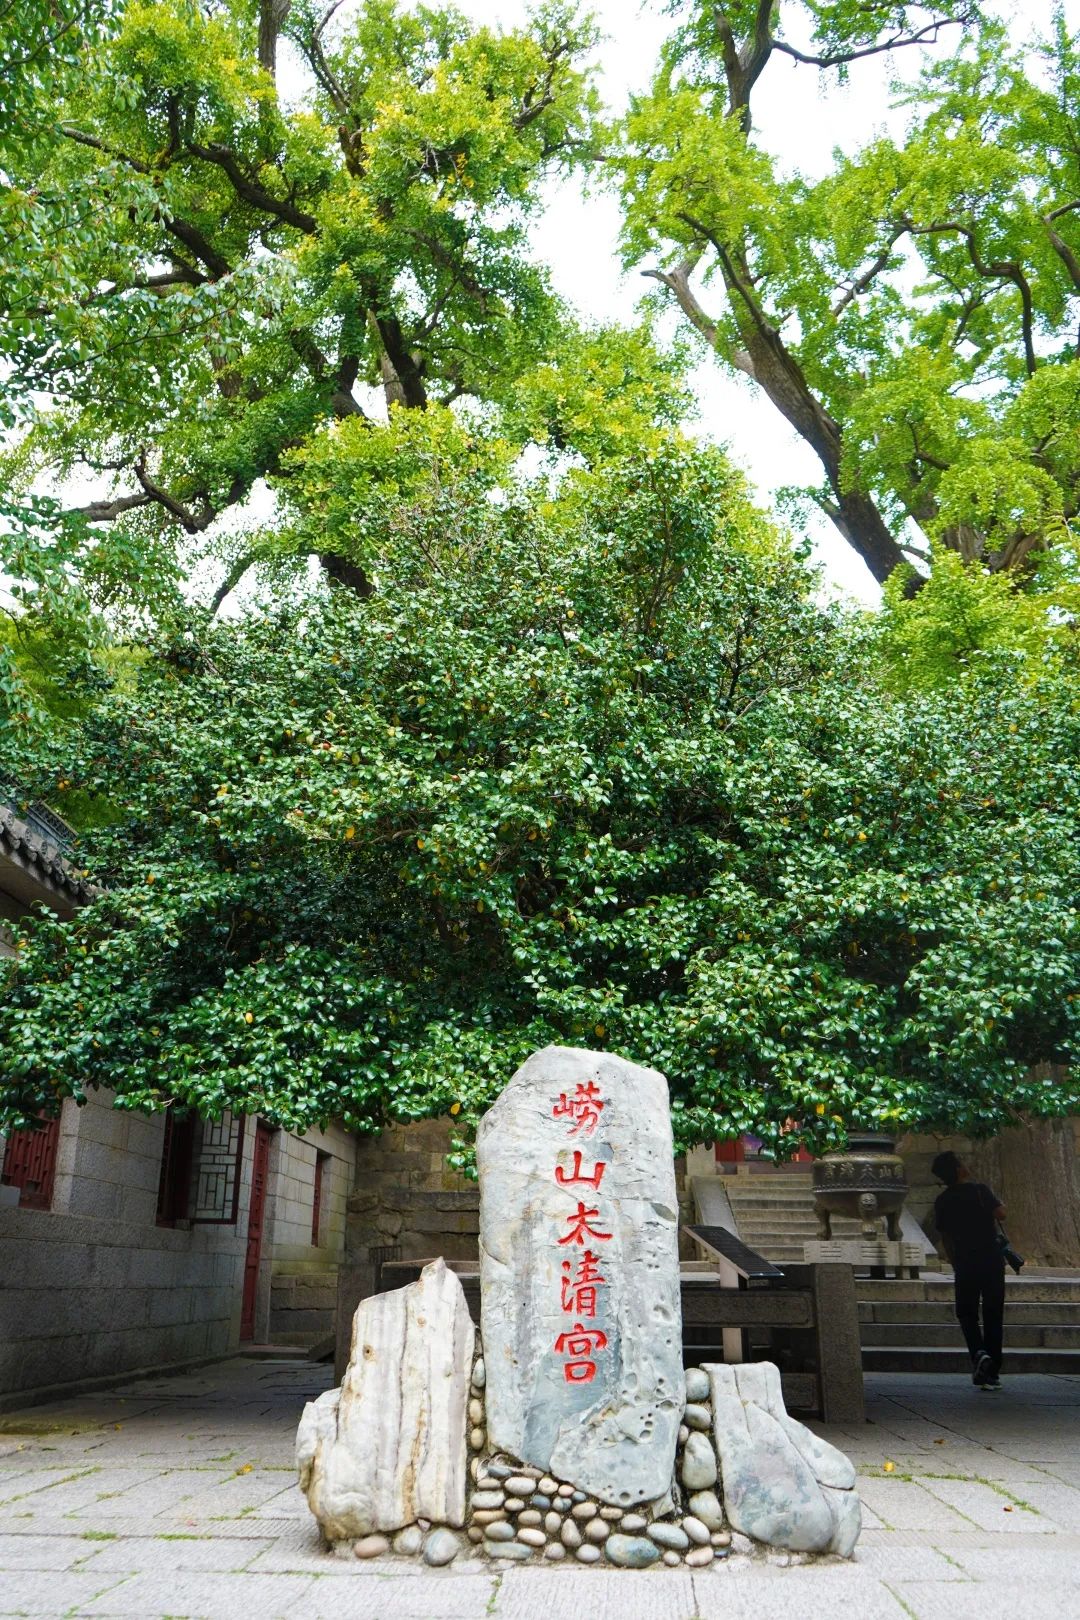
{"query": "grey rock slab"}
[(698, 1463), (770, 1489), (588, 1387), (847, 1520), (760, 1381), (389, 1447)]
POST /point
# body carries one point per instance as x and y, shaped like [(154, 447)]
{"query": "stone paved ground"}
[(175, 1497)]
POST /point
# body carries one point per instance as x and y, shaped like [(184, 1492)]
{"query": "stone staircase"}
[(774, 1212), (909, 1326)]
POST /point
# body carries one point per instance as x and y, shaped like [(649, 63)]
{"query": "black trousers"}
[(981, 1285)]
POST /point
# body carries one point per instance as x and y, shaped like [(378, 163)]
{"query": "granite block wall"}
[(93, 1287), (303, 1282)]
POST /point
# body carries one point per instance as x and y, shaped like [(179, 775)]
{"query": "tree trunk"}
[(775, 369), (272, 13)]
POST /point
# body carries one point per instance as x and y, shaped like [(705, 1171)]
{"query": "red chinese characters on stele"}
[(581, 1278)]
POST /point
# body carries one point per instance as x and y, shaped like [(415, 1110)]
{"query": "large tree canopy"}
[(197, 279), (589, 766), (913, 313), (555, 749)]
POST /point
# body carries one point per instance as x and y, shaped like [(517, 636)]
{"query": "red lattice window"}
[(30, 1163)]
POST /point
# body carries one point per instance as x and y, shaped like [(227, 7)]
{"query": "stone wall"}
[(93, 1287), (405, 1200), (303, 1282), (1035, 1171)]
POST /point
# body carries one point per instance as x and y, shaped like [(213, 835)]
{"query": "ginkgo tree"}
[(913, 312), (199, 274)]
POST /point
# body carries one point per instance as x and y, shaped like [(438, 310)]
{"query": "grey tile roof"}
[(40, 854)]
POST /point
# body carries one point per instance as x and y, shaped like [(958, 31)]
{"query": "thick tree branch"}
[(231, 581), (538, 98), (993, 270), (859, 286), (922, 36), (250, 191), (81, 138), (195, 242), (677, 281), (407, 369), (1064, 252), (109, 511), (191, 237), (777, 371)]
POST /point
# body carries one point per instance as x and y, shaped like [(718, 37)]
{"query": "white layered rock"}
[(390, 1446), (611, 1430), (782, 1484)]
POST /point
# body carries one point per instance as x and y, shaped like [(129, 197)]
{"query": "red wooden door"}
[(259, 1177), (30, 1163)]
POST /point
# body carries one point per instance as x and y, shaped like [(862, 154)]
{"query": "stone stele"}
[(389, 1447), (577, 1181)]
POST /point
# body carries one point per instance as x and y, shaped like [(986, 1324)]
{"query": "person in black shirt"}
[(967, 1213)]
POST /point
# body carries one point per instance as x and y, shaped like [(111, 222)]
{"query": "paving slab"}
[(156, 1555), (990, 1507), (907, 1504), (1041, 1564), (43, 1553), (599, 1594), (26, 1591), (215, 1596), (432, 1597), (142, 1506), (825, 1594), (1006, 1600)]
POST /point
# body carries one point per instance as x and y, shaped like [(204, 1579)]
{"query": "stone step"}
[(937, 1311), (906, 1359), (758, 1201), (930, 1335), (1032, 1290)]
